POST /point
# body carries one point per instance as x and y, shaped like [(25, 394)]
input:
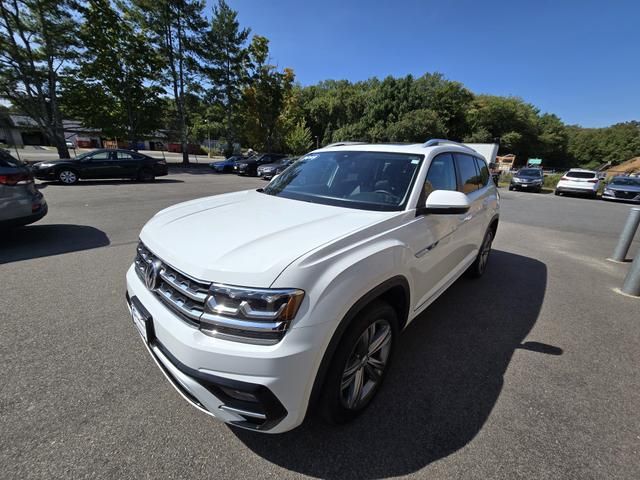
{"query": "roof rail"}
[(434, 142), (339, 144)]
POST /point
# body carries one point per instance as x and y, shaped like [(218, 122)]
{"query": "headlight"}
[(45, 164), (608, 191), (250, 315)]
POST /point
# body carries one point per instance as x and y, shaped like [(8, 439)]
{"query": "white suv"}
[(262, 304), (580, 181)]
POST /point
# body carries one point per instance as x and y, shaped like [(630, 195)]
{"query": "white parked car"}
[(580, 181), (263, 304)]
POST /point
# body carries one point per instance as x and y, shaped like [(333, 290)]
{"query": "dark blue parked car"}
[(226, 166)]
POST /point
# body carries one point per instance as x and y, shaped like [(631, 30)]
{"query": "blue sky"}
[(577, 59)]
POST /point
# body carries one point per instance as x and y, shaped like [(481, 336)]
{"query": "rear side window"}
[(441, 175), (468, 175), (580, 175), (481, 165), (124, 156)]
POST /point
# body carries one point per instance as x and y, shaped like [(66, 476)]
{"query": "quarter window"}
[(481, 165), (124, 156), (468, 175), (441, 174)]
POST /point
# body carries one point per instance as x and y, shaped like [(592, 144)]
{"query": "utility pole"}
[(317, 141)]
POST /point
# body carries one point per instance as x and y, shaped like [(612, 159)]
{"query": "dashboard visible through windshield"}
[(354, 179)]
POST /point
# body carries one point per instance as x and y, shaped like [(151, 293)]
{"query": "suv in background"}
[(256, 334), (250, 165), (527, 179), (20, 202), (580, 181)]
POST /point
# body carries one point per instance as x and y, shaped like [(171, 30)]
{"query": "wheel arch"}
[(395, 291)]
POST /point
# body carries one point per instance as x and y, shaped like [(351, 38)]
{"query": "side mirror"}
[(446, 202)]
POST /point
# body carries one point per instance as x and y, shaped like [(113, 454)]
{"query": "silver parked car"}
[(623, 188), (20, 202)]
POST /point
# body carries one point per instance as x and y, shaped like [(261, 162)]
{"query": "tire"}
[(355, 373), (145, 175), (556, 192), (479, 265), (510, 188), (67, 176)]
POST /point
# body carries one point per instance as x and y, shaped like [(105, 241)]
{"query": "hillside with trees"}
[(134, 67)]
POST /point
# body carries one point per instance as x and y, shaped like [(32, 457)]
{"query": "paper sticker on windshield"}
[(309, 157)]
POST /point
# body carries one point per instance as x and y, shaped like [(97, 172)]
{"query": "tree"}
[(299, 139), (225, 66), (37, 40), (112, 88), (174, 29), (265, 98)]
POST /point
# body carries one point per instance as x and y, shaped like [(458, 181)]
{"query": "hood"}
[(246, 238), (624, 188)]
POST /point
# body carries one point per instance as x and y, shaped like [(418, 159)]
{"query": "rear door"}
[(128, 163), (469, 233)]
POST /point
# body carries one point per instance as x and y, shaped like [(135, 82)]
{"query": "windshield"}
[(530, 172), (634, 182), (364, 180)]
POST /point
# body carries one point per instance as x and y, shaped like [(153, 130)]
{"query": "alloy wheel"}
[(366, 365), (68, 177)]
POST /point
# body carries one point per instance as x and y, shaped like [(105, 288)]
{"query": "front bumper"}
[(624, 197), (527, 186), (199, 366), (44, 173)]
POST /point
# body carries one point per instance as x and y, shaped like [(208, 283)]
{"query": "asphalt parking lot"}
[(530, 372)]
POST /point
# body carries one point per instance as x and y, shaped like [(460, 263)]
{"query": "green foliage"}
[(112, 86), (265, 100), (298, 140), (37, 40), (225, 55)]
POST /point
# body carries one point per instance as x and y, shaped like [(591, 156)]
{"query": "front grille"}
[(625, 195), (182, 294), (186, 297)]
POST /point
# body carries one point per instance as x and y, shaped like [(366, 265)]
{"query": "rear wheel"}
[(510, 188), (359, 364), (146, 175), (556, 192), (478, 267), (68, 177)]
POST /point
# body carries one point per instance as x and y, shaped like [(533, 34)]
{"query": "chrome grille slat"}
[(186, 297)]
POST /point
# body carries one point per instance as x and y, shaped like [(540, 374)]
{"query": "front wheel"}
[(359, 364), (68, 177), (478, 267)]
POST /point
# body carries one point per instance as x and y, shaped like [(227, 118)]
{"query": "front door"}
[(433, 237), (96, 165)]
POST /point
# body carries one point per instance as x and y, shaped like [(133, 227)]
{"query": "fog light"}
[(239, 395)]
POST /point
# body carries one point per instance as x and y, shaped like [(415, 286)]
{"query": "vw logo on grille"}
[(152, 274)]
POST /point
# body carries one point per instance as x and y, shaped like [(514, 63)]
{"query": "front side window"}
[(441, 175), (98, 156), (364, 180), (468, 176)]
